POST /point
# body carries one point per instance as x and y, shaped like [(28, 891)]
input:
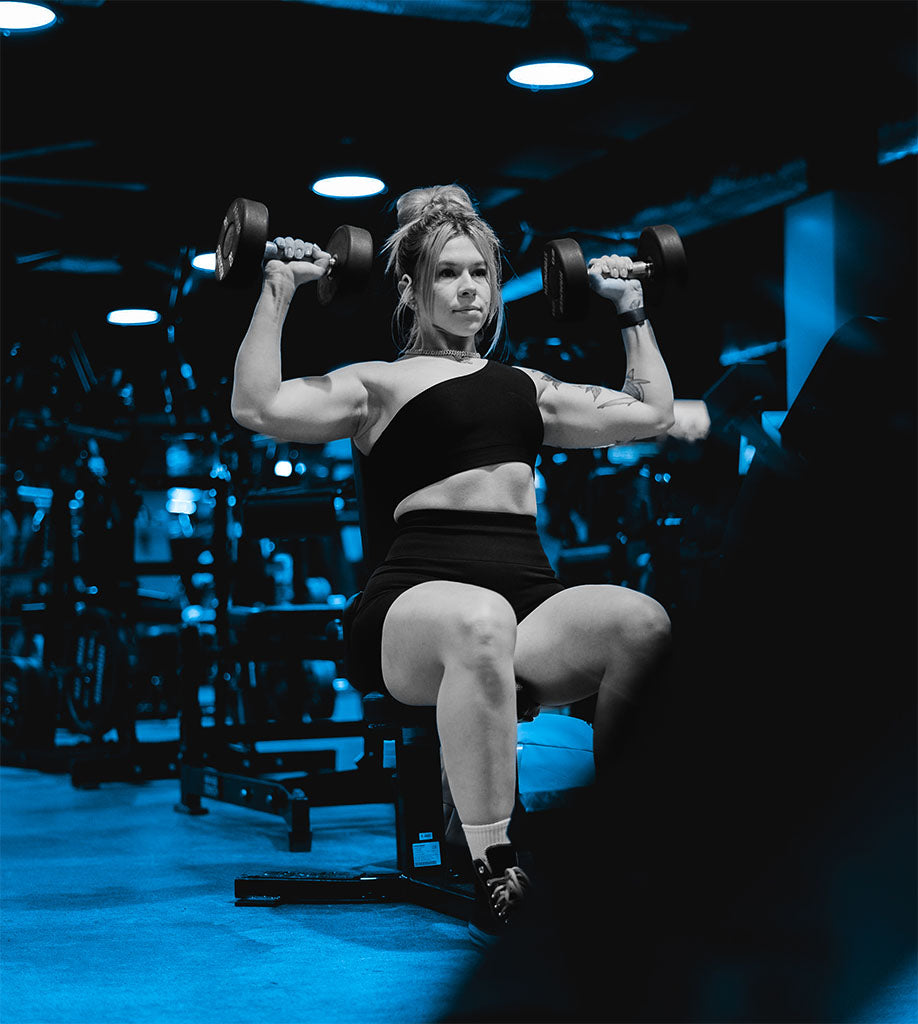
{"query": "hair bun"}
[(420, 202)]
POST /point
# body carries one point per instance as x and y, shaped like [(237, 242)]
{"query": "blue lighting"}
[(340, 449), (890, 156), (550, 75), (813, 229), (352, 543), (631, 454), (41, 497), (25, 17), (184, 494), (178, 459), (195, 613), (206, 262), (133, 317), (732, 356), (771, 424), (348, 186), (283, 467), (746, 455), (182, 500), (519, 287)]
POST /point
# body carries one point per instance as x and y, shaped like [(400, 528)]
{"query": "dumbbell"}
[(244, 244), (565, 279)]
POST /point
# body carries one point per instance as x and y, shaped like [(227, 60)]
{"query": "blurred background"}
[(143, 531)]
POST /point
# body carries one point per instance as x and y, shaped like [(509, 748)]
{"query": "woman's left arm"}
[(591, 416)]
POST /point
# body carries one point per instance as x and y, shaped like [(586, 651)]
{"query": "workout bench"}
[(423, 874)]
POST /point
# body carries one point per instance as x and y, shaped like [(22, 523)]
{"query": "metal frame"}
[(423, 876)]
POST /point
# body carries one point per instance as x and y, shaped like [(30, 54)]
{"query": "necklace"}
[(458, 354)]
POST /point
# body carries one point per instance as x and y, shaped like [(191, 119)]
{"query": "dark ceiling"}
[(128, 127)]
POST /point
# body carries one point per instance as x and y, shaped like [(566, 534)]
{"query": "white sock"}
[(480, 837)]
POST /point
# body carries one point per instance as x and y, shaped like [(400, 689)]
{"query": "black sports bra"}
[(483, 418)]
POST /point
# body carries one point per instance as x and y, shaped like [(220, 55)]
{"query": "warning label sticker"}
[(425, 855)]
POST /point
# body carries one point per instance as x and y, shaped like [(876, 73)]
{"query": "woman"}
[(466, 604)]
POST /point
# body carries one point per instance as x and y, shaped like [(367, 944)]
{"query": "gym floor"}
[(117, 909)]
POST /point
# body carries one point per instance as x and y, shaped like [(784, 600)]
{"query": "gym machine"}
[(277, 667), (86, 650)]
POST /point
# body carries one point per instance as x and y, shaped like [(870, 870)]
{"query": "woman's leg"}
[(594, 639), (452, 645)]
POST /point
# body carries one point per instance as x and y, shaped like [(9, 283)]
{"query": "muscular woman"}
[(465, 604)]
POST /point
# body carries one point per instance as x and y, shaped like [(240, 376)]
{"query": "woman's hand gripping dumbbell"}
[(567, 281), (244, 248), (295, 260), (610, 277)]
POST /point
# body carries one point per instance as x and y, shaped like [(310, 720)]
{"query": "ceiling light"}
[(348, 186), (553, 52), (557, 74), (22, 17), (133, 317), (205, 262)]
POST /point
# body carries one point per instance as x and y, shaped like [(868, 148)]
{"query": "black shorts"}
[(500, 551)]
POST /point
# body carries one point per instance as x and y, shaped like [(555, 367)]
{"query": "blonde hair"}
[(427, 219)]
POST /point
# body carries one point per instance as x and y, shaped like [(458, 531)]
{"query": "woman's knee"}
[(481, 632), (644, 623), (437, 626)]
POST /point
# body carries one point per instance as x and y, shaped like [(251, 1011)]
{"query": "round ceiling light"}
[(23, 17), (550, 75), (349, 186)]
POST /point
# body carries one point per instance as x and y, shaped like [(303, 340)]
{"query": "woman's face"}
[(461, 292)]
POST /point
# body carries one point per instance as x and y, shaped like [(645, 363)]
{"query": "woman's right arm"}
[(311, 410)]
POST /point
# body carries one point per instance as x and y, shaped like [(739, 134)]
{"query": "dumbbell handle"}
[(640, 270), (272, 252)]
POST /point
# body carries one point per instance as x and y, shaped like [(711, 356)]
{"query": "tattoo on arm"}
[(551, 380), (633, 386)]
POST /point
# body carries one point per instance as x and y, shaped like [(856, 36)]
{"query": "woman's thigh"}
[(429, 622), (568, 643)]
